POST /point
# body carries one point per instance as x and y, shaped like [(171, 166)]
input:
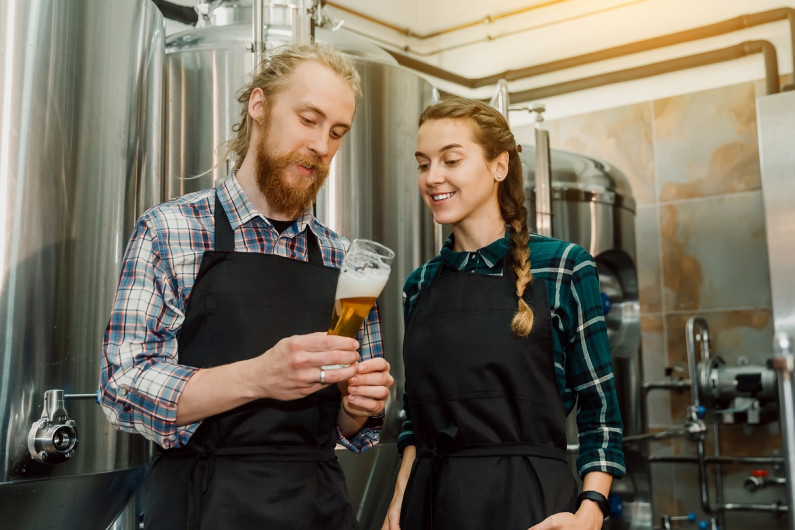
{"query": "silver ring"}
[(322, 376)]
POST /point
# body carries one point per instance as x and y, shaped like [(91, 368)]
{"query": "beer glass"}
[(363, 275)]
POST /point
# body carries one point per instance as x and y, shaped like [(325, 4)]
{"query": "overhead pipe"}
[(711, 30), (737, 51), (488, 19)]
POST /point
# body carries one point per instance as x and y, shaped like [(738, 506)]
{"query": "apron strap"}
[(225, 236)]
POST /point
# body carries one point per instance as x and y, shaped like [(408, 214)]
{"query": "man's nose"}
[(320, 143)]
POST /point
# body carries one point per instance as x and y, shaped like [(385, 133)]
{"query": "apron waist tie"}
[(443, 451), (204, 462)]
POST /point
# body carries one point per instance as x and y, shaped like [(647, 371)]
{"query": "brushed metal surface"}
[(80, 157), (776, 125)]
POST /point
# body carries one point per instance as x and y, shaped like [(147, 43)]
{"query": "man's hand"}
[(291, 369), (365, 393)]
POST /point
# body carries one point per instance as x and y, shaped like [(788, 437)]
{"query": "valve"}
[(53, 437)]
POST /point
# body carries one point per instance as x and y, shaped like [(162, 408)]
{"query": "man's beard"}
[(283, 194)]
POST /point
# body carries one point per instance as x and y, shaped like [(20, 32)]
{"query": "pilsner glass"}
[(363, 275)]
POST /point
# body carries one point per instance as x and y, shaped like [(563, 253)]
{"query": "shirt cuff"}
[(366, 438)]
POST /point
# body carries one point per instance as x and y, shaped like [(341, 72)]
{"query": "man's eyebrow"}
[(442, 150)]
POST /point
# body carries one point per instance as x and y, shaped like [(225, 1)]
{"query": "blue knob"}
[(607, 305), (691, 517), (701, 411), (703, 525), (616, 505)]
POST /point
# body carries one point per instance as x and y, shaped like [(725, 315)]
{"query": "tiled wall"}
[(693, 163)]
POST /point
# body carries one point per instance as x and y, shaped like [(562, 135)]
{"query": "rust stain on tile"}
[(682, 273), (733, 167)]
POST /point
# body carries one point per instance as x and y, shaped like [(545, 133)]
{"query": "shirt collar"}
[(491, 255), (240, 211)]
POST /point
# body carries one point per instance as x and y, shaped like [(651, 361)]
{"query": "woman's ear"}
[(256, 105), (500, 166)]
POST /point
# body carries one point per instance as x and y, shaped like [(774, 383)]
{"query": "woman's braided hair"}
[(490, 130)]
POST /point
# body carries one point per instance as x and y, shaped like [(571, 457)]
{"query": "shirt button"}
[(123, 391)]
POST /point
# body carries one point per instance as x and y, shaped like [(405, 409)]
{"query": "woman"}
[(497, 350)]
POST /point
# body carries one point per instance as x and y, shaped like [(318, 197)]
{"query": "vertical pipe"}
[(258, 37), (784, 365), (501, 98), (691, 353), (543, 176)]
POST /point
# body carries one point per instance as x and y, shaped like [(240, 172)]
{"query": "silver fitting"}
[(53, 437)]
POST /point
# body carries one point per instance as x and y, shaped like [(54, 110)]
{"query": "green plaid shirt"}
[(583, 365)]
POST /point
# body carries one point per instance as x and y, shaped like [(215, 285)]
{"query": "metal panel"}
[(80, 157), (776, 123)]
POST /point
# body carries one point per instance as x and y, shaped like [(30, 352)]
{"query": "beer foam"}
[(357, 284)]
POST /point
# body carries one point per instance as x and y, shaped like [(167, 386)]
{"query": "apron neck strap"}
[(224, 235)]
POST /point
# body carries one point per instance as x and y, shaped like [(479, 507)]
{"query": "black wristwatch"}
[(598, 498)]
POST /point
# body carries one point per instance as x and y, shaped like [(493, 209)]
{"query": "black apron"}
[(269, 464), (486, 413)]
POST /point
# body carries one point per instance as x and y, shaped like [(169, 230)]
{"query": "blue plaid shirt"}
[(140, 379), (583, 366)]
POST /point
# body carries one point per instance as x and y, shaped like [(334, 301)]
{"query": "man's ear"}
[(256, 105)]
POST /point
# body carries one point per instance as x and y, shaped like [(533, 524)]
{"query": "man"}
[(217, 336)]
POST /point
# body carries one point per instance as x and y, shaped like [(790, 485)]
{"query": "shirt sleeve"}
[(371, 345), (589, 374), (140, 380)]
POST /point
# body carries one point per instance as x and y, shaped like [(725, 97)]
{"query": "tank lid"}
[(237, 37), (579, 172)]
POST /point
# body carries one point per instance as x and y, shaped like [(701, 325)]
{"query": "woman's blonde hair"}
[(490, 130), (274, 75)]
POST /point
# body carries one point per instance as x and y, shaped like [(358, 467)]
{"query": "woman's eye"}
[(307, 121), (451, 162), (423, 166)]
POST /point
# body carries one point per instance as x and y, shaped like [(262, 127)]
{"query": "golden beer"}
[(363, 275), (348, 315)]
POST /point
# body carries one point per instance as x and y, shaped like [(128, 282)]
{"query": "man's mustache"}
[(310, 161)]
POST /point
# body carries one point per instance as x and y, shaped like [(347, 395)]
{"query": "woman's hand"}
[(582, 520), (392, 519)]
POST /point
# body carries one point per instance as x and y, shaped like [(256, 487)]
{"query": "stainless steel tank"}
[(81, 87), (371, 191), (592, 205)]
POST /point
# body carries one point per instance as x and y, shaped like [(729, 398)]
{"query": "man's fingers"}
[(328, 376)]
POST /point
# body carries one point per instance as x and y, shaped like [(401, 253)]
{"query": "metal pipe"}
[(690, 337), (717, 470), (703, 59), (688, 430), (501, 100), (258, 34), (750, 460), (488, 19), (679, 384), (702, 32), (543, 175), (784, 365)]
